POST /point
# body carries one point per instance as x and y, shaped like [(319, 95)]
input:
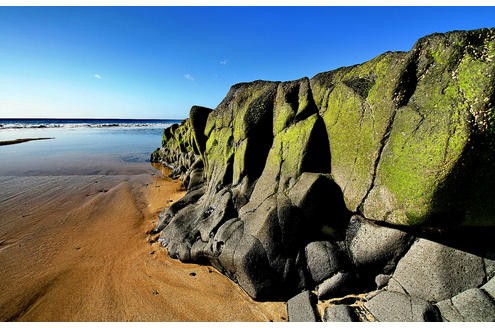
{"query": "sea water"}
[(79, 146)]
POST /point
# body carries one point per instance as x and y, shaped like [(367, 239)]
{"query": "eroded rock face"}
[(405, 140), (375, 248), (436, 272), (339, 313), (390, 306), (300, 308), (442, 128), (265, 159), (471, 305), (323, 260)]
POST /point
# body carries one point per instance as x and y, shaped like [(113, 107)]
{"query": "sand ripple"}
[(75, 248)]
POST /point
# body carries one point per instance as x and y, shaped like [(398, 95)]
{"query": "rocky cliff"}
[(375, 176)]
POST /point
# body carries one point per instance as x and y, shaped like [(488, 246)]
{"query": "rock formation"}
[(376, 179)]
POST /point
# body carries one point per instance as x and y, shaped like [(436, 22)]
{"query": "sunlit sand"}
[(76, 248)]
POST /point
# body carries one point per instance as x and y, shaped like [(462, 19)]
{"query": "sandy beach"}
[(76, 248)]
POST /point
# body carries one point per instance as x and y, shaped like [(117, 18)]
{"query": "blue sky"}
[(156, 62)]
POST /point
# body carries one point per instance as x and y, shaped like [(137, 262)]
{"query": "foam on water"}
[(79, 146), (82, 123)]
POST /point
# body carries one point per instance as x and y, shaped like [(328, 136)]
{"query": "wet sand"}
[(76, 248)]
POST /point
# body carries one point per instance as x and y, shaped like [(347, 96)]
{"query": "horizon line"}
[(90, 118)]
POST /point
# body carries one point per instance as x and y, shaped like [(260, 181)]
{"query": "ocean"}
[(79, 146)]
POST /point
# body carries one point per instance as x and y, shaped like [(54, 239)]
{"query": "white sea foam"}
[(14, 126)]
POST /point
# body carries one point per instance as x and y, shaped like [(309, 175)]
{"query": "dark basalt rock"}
[(300, 308), (373, 248), (340, 313), (323, 260), (382, 280), (435, 272), (489, 288), (471, 305), (391, 306), (338, 285), (355, 174)]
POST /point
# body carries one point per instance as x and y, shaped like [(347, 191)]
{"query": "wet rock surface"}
[(375, 179)]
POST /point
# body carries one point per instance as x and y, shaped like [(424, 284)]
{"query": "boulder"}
[(339, 313), (470, 305), (239, 132), (392, 307), (405, 139), (202, 250), (269, 216), (435, 161), (322, 259), (252, 268), (213, 217), (294, 102), (357, 105), (489, 288), (300, 308), (189, 199), (195, 179), (226, 240), (180, 234), (403, 128), (490, 266), (436, 272), (382, 280), (338, 285), (375, 248)]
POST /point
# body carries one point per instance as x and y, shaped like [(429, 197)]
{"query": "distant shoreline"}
[(9, 124), (16, 141)]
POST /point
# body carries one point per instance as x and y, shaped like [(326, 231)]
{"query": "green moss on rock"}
[(428, 163), (355, 124), (408, 133)]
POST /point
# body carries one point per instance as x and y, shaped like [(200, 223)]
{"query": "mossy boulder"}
[(405, 139), (410, 133), (357, 105), (270, 217), (441, 141), (239, 133)]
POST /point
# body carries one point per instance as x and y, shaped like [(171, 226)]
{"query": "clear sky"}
[(156, 62)]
